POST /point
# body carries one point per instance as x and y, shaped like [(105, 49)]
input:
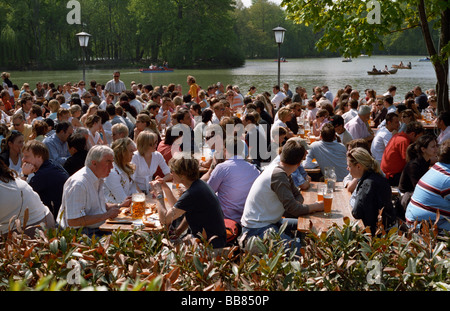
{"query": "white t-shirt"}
[(17, 196)]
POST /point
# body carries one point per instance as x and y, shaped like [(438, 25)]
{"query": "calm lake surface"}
[(308, 73)]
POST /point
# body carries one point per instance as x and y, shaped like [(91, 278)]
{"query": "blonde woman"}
[(75, 114), (119, 185), (91, 111), (372, 192), (147, 160), (284, 115)]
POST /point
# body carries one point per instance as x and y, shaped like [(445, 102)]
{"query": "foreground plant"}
[(342, 258)]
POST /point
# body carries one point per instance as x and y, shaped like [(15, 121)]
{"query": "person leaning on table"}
[(372, 192), (198, 203), (83, 203), (274, 196)]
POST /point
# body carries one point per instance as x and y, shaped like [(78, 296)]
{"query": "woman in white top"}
[(95, 127), (119, 184), (147, 160), (17, 196)]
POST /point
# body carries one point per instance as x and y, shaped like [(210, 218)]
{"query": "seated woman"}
[(11, 150), (406, 117), (321, 119), (147, 160), (431, 195), (17, 196), (284, 115), (119, 184), (145, 123), (372, 192), (419, 156), (198, 203), (94, 125)]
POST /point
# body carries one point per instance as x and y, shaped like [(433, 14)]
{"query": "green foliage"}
[(34, 34), (341, 258)]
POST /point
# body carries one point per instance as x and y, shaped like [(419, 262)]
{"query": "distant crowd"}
[(74, 154)]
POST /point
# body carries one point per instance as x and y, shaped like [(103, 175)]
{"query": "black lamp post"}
[(279, 38), (83, 38)]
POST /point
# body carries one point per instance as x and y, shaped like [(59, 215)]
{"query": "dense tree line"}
[(34, 34)]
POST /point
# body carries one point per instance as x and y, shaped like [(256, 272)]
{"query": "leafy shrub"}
[(342, 258)]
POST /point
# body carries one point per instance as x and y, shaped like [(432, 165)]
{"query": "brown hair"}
[(38, 149), (185, 166), (292, 152)]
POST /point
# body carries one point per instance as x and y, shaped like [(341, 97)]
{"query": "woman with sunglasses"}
[(11, 150)]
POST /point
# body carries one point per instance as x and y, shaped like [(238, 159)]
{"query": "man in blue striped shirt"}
[(432, 193)]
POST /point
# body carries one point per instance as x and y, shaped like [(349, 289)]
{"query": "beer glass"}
[(321, 189), (137, 205), (328, 201)]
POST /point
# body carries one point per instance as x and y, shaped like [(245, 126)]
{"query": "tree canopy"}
[(352, 27), (34, 34)]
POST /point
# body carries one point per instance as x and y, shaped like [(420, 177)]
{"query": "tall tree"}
[(349, 27)]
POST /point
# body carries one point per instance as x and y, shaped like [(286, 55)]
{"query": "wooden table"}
[(340, 209)]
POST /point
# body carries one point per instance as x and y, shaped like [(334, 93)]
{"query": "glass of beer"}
[(137, 205), (328, 201), (321, 189)]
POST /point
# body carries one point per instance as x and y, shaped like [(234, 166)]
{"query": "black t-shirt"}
[(203, 211)]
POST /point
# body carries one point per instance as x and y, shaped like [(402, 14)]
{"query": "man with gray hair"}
[(83, 202), (359, 127)]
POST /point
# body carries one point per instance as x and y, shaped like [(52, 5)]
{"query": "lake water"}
[(307, 72)]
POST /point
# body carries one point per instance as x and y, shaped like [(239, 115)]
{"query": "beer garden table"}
[(340, 210)]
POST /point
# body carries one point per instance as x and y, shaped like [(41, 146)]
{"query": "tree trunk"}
[(440, 66), (442, 85)]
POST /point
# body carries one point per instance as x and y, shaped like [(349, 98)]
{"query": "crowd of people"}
[(74, 155)]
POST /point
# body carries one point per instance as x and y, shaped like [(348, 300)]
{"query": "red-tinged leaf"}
[(173, 275), (28, 252)]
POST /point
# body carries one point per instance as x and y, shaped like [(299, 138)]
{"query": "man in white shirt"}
[(279, 96), (383, 136), (353, 112), (443, 123), (115, 86), (164, 116), (83, 203), (219, 110)]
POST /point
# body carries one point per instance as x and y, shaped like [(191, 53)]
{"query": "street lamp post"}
[(279, 38), (83, 38)]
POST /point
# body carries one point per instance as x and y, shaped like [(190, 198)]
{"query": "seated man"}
[(394, 157), (358, 126), (232, 180), (341, 132), (57, 142), (48, 180), (328, 153), (83, 202), (383, 136), (274, 195), (432, 193)]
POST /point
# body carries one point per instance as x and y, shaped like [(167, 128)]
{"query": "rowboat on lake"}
[(382, 72)]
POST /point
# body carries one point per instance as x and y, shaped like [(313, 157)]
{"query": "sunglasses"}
[(17, 124)]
